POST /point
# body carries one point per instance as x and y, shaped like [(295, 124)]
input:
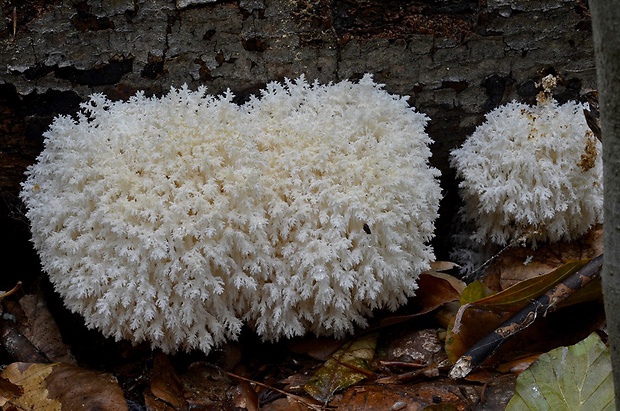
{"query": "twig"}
[(12, 291), (521, 320), (431, 371), (354, 368), (297, 398), (478, 272)]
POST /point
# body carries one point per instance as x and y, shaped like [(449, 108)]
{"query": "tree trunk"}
[(606, 31)]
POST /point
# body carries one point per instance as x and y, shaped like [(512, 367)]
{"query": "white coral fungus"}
[(531, 171), (172, 220)]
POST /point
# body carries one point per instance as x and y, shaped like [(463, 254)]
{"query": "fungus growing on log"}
[(174, 220), (533, 171)]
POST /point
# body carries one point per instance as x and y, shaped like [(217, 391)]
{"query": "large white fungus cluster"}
[(175, 219), (533, 171)]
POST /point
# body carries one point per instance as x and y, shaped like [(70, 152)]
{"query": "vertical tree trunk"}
[(606, 31)]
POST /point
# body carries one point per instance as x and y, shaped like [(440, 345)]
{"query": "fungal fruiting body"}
[(531, 171), (176, 219)]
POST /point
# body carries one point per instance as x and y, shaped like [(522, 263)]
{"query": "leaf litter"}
[(400, 363)]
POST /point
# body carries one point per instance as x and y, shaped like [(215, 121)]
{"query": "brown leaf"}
[(517, 264), (442, 266), (379, 398), (517, 365), (519, 295), (442, 269), (9, 391), (470, 326), (295, 382), (433, 292), (206, 388), (476, 320), (319, 348), (244, 397), (31, 379), (407, 397), (152, 403), (33, 335), (497, 392), (166, 386), (18, 347), (62, 386), (41, 330), (289, 404), (436, 289), (416, 346), (563, 327)]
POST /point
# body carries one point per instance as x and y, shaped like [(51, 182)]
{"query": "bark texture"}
[(456, 59), (606, 26)]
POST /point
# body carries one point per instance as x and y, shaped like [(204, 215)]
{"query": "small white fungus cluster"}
[(173, 220), (531, 170)]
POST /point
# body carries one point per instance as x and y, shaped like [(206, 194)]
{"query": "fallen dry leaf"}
[(29, 332), (206, 387), (519, 295), (497, 392), (60, 386), (153, 403), (419, 347), (379, 398), (442, 269), (408, 397), (290, 404), (517, 365), (31, 379), (9, 391), (319, 348), (244, 397), (517, 264), (17, 346), (475, 320), (348, 365), (40, 328), (166, 391), (433, 292)]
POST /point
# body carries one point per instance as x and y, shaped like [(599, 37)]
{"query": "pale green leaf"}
[(474, 292), (571, 378)]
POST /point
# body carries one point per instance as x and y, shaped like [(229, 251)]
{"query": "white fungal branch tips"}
[(174, 219), (531, 170)]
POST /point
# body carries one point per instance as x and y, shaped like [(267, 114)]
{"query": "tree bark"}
[(606, 31)]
